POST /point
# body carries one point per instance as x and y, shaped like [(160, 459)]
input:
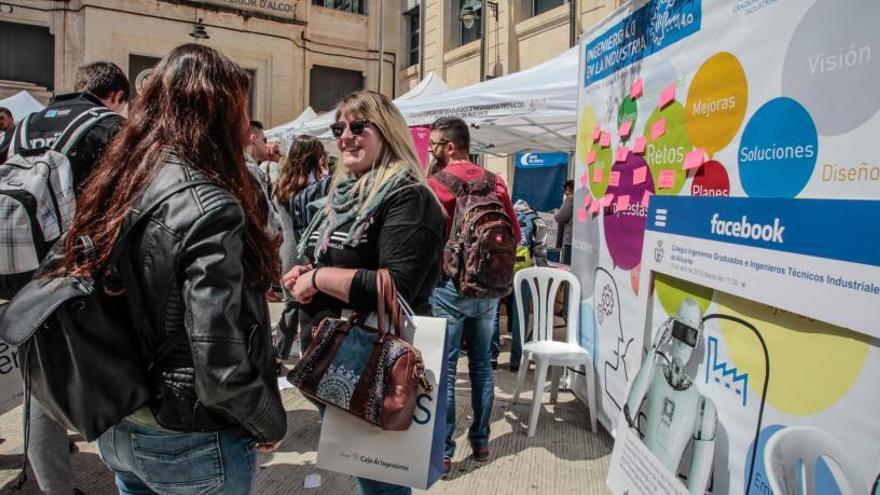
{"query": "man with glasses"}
[(468, 318)]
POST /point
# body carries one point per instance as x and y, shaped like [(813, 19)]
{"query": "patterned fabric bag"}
[(371, 373)]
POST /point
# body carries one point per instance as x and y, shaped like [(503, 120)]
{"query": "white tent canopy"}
[(285, 133), (21, 104), (534, 109), (431, 86)]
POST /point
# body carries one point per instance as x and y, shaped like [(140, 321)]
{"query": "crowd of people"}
[(246, 224)]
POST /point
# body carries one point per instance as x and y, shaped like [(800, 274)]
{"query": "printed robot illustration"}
[(675, 411)]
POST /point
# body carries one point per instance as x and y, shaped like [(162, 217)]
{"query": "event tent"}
[(21, 104), (431, 86), (285, 133), (533, 109)]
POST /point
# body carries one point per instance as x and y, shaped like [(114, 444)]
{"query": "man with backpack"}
[(67, 138), (482, 232), (531, 251)]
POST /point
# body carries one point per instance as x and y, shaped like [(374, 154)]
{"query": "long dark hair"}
[(304, 159), (195, 106)]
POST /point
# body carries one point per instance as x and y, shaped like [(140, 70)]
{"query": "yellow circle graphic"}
[(585, 134), (671, 291), (716, 102), (812, 363)]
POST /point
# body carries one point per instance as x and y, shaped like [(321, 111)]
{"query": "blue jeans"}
[(148, 460), (480, 315)]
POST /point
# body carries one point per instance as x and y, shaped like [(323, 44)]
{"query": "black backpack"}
[(70, 330)]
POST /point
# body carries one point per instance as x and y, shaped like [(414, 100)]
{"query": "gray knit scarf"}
[(345, 207)]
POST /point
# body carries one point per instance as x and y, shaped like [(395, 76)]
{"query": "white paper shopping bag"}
[(410, 458)]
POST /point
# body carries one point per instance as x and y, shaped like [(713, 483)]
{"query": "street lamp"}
[(468, 15), (199, 32)]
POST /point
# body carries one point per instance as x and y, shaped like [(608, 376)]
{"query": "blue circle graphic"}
[(824, 477), (778, 150)]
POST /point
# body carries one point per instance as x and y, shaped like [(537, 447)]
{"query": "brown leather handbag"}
[(371, 373)]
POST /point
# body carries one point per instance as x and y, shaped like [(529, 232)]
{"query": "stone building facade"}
[(299, 52)]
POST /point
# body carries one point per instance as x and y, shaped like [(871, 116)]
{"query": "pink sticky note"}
[(666, 179), (598, 175), (597, 132), (614, 179), (587, 200), (625, 129), (637, 89), (591, 157), (640, 175), (623, 202), (695, 158), (667, 96), (639, 145), (594, 207), (646, 198), (622, 154), (585, 179), (605, 140), (607, 200), (658, 129), (582, 215)]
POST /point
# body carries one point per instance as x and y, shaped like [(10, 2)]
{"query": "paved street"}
[(563, 457)]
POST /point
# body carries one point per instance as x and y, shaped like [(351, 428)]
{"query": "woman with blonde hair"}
[(303, 181), (379, 214)]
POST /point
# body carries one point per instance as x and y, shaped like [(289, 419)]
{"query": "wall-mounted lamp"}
[(199, 32), (468, 15)]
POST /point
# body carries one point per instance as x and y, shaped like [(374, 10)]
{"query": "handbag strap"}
[(387, 303)]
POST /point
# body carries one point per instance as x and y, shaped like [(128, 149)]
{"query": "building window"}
[(474, 32), (27, 54), (541, 6), (414, 35), (353, 6), (328, 85)]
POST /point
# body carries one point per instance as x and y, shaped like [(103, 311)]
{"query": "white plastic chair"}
[(543, 284), (790, 461)]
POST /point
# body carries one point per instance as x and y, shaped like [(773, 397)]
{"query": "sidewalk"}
[(563, 457)]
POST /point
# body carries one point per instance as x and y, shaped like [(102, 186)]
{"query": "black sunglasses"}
[(357, 127)]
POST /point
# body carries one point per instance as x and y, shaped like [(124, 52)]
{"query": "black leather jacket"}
[(184, 280)]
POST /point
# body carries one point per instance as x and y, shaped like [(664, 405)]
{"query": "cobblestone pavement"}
[(563, 457)]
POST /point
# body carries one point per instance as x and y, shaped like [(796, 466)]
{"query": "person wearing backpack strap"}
[(481, 225), (79, 126), (168, 230), (531, 251)]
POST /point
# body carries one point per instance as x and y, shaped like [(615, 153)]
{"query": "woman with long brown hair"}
[(192, 280), (303, 181)]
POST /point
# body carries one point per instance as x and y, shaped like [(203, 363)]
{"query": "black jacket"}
[(405, 236), (184, 279), (300, 210), (48, 123)]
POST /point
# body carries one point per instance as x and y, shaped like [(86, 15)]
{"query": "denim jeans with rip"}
[(479, 314)]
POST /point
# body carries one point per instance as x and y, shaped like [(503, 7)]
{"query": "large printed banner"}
[(539, 179), (740, 98), (762, 341)]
